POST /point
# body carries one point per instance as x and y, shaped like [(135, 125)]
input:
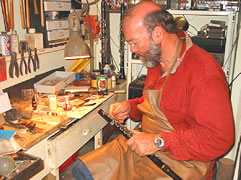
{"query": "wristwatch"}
[(159, 142)]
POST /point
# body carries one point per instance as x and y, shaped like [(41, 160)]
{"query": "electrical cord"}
[(234, 79)]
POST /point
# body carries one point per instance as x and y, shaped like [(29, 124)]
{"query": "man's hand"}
[(120, 111), (142, 143)]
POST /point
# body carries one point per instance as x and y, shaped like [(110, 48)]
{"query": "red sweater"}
[(197, 104)]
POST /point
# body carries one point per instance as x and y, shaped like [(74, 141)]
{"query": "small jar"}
[(52, 102), (93, 77), (113, 79), (109, 82)]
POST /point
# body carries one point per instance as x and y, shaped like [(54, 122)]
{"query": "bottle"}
[(68, 106), (109, 81), (14, 41), (107, 70), (52, 102), (34, 103), (113, 79), (5, 46), (35, 40)]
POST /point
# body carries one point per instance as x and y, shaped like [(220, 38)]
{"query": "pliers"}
[(23, 62), (30, 58), (36, 59), (13, 65)]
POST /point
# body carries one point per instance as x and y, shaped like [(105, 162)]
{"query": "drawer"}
[(57, 6), (60, 24), (58, 34), (67, 143)]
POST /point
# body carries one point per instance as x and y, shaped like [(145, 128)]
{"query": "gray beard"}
[(152, 57)]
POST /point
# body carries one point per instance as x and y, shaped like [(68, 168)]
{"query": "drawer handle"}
[(86, 132)]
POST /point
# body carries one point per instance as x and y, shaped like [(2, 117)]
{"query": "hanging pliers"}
[(36, 59), (23, 63), (13, 65), (30, 58)]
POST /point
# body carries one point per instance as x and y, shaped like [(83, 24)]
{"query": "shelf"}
[(201, 13), (40, 51)]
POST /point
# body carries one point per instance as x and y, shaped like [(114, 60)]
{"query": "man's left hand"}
[(142, 143)]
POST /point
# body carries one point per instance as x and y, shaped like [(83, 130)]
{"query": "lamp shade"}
[(76, 48)]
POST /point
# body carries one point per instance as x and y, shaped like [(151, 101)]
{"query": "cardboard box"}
[(58, 34), (54, 82), (57, 24), (57, 6)]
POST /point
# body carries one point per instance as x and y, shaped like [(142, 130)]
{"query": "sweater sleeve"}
[(152, 76), (135, 114), (212, 133)]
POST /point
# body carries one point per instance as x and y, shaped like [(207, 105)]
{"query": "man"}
[(185, 110)]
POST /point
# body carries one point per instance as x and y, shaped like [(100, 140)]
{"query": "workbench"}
[(59, 142)]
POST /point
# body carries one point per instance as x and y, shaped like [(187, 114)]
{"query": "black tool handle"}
[(128, 134)]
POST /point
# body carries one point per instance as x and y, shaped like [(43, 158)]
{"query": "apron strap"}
[(174, 60)]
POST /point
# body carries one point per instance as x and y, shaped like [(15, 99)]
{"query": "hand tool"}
[(23, 63), (27, 14), (7, 13), (30, 58), (22, 14), (35, 7), (42, 13), (5, 18), (12, 15), (13, 65), (36, 59)]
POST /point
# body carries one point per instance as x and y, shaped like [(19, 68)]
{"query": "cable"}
[(193, 27), (229, 56), (234, 79)]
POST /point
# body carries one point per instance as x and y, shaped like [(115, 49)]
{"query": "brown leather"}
[(116, 161), (154, 121)]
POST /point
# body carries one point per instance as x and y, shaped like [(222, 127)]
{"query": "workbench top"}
[(49, 122)]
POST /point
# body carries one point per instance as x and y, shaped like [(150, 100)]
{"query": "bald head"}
[(136, 14)]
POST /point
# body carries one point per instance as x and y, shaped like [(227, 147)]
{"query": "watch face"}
[(159, 143)]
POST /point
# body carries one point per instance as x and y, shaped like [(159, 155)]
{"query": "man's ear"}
[(157, 34)]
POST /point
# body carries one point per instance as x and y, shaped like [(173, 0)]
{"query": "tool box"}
[(54, 82), (26, 167)]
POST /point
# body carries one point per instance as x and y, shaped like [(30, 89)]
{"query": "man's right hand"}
[(120, 111)]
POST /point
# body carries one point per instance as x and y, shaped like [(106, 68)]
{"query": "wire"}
[(234, 79), (193, 27), (190, 24), (229, 56)]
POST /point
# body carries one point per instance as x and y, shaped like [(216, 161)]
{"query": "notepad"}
[(7, 134)]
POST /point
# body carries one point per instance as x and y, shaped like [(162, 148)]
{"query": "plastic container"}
[(106, 69), (14, 42), (113, 81), (52, 102), (35, 40)]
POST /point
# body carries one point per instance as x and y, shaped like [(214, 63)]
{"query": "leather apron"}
[(116, 161)]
